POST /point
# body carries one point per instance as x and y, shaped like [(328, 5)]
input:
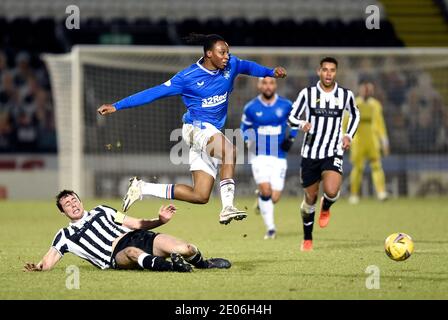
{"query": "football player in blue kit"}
[(205, 87), (264, 127)]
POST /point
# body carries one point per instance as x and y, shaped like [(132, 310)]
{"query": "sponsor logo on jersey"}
[(326, 112), (214, 101), (168, 83), (200, 84), (259, 114)]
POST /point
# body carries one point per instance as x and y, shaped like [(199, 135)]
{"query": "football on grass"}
[(399, 246)]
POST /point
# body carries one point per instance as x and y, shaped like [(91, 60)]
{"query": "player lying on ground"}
[(205, 88), (323, 144), (109, 239), (263, 124)]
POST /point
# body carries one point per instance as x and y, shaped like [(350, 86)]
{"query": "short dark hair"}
[(63, 194), (330, 60), (206, 40), (366, 80)]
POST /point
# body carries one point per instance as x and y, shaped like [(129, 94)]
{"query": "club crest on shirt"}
[(227, 74), (279, 113)]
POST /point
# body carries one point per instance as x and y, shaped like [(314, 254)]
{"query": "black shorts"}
[(142, 239), (311, 169)]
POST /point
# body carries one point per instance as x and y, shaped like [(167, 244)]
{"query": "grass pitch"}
[(262, 269)]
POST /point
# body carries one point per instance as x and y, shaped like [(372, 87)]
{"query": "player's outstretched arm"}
[(165, 215), (170, 88), (254, 69), (47, 263)]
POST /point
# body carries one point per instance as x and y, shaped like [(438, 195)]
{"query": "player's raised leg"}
[(199, 193), (133, 194), (221, 148), (331, 181), (139, 188)]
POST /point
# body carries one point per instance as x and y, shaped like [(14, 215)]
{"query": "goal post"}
[(98, 154)]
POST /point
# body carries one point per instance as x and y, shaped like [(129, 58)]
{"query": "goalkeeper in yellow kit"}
[(369, 143)]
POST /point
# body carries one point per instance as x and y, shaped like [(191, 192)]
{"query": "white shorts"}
[(197, 137), (269, 169)]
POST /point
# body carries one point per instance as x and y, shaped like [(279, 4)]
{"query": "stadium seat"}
[(188, 26)]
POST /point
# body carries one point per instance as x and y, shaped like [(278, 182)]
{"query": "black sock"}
[(155, 263), (198, 261), (327, 203), (308, 223)]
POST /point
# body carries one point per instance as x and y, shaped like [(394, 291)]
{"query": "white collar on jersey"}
[(322, 90), (80, 222), (212, 72), (267, 104)]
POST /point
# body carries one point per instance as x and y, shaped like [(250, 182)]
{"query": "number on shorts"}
[(338, 164)]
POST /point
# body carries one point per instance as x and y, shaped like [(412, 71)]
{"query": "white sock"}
[(267, 212), (332, 199), (141, 258), (227, 192), (160, 190)]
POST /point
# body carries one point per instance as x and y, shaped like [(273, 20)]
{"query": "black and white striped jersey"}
[(91, 237), (324, 111)]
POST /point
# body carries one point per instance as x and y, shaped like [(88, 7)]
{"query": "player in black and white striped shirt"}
[(324, 143), (109, 239)]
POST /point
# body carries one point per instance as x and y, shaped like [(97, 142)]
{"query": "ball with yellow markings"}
[(399, 246)]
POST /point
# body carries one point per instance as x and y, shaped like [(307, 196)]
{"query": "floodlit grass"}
[(262, 269)]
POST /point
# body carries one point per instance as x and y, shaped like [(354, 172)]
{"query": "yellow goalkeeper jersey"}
[(371, 129)]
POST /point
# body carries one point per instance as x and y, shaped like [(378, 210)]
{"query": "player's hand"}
[(287, 144), (306, 127), (280, 72), (30, 267), (106, 109), (166, 213), (346, 142)]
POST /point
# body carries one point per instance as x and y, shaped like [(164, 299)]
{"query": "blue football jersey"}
[(268, 124), (205, 93)]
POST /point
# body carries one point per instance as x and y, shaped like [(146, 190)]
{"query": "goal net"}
[(99, 154)]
